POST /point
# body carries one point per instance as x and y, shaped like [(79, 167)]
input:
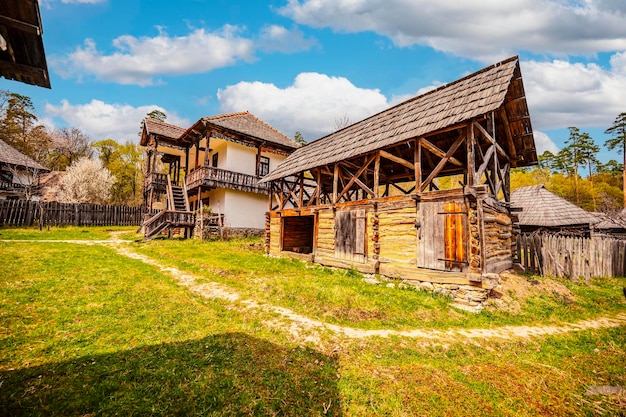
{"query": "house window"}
[(214, 160), (264, 166)]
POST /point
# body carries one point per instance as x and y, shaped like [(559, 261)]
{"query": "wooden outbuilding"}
[(419, 191)]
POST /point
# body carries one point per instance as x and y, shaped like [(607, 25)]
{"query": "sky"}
[(311, 65)]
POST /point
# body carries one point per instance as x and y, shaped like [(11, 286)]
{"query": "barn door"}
[(350, 235), (441, 236), (454, 235)]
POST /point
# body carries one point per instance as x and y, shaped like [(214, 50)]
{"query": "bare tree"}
[(341, 122)]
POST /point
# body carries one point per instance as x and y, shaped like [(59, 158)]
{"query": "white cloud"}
[(487, 30), (100, 120), (543, 143), (274, 38), (312, 104), (562, 94), (139, 60)]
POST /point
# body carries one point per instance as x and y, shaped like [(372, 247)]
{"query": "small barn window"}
[(350, 235), (298, 234)]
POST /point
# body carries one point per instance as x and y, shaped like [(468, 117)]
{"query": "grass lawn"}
[(85, 331)]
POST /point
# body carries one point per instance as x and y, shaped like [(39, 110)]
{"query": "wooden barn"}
[(419, 191)]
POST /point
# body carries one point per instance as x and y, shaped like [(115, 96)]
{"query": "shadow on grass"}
[(227, 374)]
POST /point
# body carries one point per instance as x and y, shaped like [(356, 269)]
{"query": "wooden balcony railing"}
[(207, 176), (156, 182)]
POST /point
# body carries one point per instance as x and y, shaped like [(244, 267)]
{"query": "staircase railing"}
[(155, 222), (170, 194), (186, 196)]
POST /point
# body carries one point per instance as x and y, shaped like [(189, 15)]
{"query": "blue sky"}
[(305, 65)]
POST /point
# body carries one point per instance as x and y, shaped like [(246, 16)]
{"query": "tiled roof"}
[(10, 155), (454, 103), (545, 209), (249, 124)]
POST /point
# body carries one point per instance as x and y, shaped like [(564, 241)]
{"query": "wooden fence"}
[(26, 213), (573, 257)]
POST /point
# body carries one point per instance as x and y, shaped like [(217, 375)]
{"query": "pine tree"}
[(618, 131)]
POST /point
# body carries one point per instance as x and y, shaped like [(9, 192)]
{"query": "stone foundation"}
[(211, 232), (466, 297)]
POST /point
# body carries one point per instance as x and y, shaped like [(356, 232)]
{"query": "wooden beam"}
[(471, 157), (507, 133), (417, 163), (442, 163), (426, 144), (335, 183), (354, 178), (397, 159), (492, 140), (483, 166), (377, 174)]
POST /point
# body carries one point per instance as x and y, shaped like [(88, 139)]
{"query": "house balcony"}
[(211, 177), (155, 182)]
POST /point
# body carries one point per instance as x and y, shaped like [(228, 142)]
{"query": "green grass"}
[(341, 297), (65, 233), (85, 331)]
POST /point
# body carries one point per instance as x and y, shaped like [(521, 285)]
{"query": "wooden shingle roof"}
[(241, 125), (472, 96), (542, 208), (11, 156), (22, 57), (249, 124), (160, 129)]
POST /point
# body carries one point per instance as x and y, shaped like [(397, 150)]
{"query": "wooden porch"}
[(211, 177)]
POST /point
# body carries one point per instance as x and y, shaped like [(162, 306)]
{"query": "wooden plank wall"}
[(572, 257), (26, 213), (497, 231), (325, 234)]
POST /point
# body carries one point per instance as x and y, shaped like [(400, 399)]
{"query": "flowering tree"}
[(86, 181)]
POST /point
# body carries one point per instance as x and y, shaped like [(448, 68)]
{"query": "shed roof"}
[(449, 105), (543, 208), (243, 123), (23, 58), (11, 156)]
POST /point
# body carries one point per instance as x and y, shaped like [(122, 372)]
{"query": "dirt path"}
[(306, 329)]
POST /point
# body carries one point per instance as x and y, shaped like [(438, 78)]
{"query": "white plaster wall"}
[(240, 158), (245, 209)]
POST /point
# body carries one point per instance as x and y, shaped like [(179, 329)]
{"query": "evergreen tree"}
[(618, 140), (299, 139)]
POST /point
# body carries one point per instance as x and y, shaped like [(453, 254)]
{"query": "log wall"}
[(497, 239), (397, 236)]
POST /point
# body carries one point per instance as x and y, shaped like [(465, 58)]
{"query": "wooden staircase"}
[(176, 216)]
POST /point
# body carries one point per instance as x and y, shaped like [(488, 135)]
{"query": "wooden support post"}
[(258, 161), (186, 161), (471, 158), (319, 186), (197, 153), (207, 149), (377, 174), (301, 191), (335, 183), (201, 213), (417, 163)]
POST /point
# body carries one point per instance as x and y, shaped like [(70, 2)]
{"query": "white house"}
[(219, 160)]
